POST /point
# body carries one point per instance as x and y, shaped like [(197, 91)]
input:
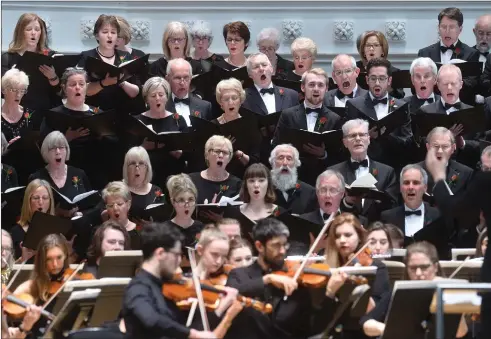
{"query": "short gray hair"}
[(353, 60), (178, 62), (417, 167), (52, 140), (14, 77), (423, 62), (348, 125), (5, 144), (202, 29), (230, 84), (486, 151), (329, 173), (152, 84), (271, 34), (137, 153), (252, 57), (275, 150), (449, 67), (440, 130)]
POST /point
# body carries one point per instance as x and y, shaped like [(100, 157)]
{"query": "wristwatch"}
[(54, 79), (22, 330)]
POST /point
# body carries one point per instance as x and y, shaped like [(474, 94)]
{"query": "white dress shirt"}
[(447, 56), (360, 172), (268, 99), (311, 117), (342, 102), (413, 222), (451, 109), (382, 110), (183, 109), (426, 100)]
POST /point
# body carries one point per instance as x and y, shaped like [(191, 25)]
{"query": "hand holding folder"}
[(99, 69), (99, 124), (30, 63)]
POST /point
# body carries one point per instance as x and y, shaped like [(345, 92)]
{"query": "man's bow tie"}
[(417, 212), (341, 95), (325, 216), (457, 105), (184, 101), (485, 54), (267, 90), (445, 48), (355, 164), (309, 110), (429, 100), (376, 101)]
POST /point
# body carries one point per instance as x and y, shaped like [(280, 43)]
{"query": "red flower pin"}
[(392, 102), (176, 118), (75, 181), (322, 121), (94, 110), (297, 186), (9, 173), (46, 52), (375, 172), (453, 179), (27, 116), (282, 91), (196, 114), (158, 193), (276, 211), (138, 228), (457, 51)]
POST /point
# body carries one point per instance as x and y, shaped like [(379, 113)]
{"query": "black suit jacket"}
[(386, 181), (284, 98), (389, 148), (485, 80), (415, 103), (196, 104), (458, 176), (300, 200), (330, 95), (397, 217), (315, 216)]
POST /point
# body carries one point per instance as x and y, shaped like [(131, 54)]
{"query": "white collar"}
[(366, 158), (420, 208), (385, 96), (443, 101), (185, 97), (431, 96), (311, 106)]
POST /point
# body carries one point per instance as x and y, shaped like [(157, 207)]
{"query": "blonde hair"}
[(137, 153), (230, 84), (316, 71), (26, 213), (14, 77), (152, 84), (124, 29), (18, 42), (217, 140), (209, 235), (175, 27), (53, 140), (116, 189), (304, 44), (180, 183)]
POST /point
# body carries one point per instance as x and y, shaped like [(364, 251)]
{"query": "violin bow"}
[(15, 275), (459, 268), (311, 249), (75, 271), (356, 254), (199, 292)]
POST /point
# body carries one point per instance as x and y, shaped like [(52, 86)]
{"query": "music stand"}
[(396, 270), (412, 299), (73, 314), (462, 253), (397, 254), (471, 270), (109, 300), (119, 264), (347, 289)]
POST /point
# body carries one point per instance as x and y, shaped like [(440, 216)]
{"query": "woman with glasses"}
[(117, 200), (215, 181), (304, 52), (30, 35), (237, 37), (268, 42), (37, 197), (374, 45), (137, 174), (156, 91), (230, 96), (175, 44), (202, 36)]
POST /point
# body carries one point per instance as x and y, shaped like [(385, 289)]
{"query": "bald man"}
[(482, 31)]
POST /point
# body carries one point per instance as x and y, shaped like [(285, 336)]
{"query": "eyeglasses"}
[(277, 246), (54, 148), (111, 206), (369, 46), (449, 28), (348, 72), (16, 90), (217, 152), (330, 191), (353, 136), (303, 58), (7, 249), (37, 198), (267, 49), (381, 79), (443, 147), (182, 203), (185, 79), (137, 164), (201, 38), (414, 268), (235, 41), (176, 40)]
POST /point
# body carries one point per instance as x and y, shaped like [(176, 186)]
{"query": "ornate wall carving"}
[(395, 30), (87, 29), (343, 30), (292, 29), (140, 30)]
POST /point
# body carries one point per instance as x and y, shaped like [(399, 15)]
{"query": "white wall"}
[(317, 20)]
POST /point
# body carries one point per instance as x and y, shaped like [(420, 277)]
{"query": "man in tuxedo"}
[(268, 42), (414, 214), (482, 32), (313, 116), (450, 22), (179, 75), (344, 72), (356, 139), (292, 194), (486, 77), (423, 77), (375, 105)]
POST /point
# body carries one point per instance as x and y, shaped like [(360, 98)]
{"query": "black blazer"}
[(397, 217), (458, 177), (329, 97), (465, 52), (300, 200), (284, 98), (391, 147), (396, 92), (415, 103), (386, 181), (485, 80), (315, 216), (196, 104)]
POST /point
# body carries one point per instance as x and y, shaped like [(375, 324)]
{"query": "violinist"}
[(291, 318), (346, 237), (422, 263), (239, 253), (33, 313), (147, 313), (110, 236), (7, 256)]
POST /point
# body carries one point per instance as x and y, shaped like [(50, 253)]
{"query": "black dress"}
[(283, 66), (29, 120), (396, 92), (212, 58), (18, 234), (163, 163), (135, 241), (9, 177), (140, 201), (101, 158), (113, 96), (40, 95), (293, 76), (158, 68), (191, 233), (207, 188)]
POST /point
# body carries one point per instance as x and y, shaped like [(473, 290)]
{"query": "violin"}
[(220, 277), (180, 290), (69, 274), (15, 305)]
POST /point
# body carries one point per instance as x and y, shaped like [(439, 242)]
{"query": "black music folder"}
[(468, 68), (294, 85), (436, 233), (300, 230), (98, 68), (390, 122), (401, 79), (341, 111), (83, 201), (225, 210), (158, 212), (43, 224), (28, 141), (100, 124), (270, 119), (299, 137), (29, 62), (473, 119), (12, 200)]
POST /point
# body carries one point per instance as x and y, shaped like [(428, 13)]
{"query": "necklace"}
[(52, 174), (230, 62), (224, 121), (102, 55), (225, 176)]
